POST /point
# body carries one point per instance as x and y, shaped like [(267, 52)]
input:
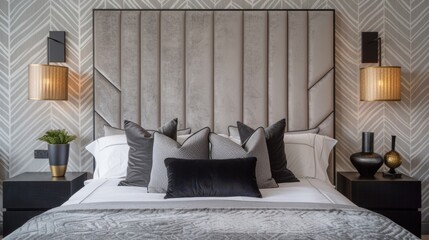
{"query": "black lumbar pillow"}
[(276, 149), (211, 178), (141, 150)]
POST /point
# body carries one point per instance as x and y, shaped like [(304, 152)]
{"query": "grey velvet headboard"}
[(214, 67)]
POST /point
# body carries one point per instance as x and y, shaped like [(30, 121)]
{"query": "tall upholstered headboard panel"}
[(214, 67)]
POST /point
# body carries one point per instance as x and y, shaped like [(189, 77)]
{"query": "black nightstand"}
[(32, 193), (398, 199)]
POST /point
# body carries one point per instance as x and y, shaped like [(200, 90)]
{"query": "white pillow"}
[(308, 154), (111, 156)]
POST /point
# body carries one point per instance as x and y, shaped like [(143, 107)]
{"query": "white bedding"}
[(306, 191), (310, 209)]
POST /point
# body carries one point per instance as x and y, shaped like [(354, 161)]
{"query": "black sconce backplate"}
[(369, 47), (57, 46)]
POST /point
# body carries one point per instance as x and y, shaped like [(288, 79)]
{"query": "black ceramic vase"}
[(367, 162), (58, 158)]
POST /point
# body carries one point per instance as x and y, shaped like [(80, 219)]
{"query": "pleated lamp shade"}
[(47, 82), (380, 83)]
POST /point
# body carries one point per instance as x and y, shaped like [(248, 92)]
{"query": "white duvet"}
[(306, 191)]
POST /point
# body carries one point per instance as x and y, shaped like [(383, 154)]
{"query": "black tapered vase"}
[(58, 158), (367, 162)]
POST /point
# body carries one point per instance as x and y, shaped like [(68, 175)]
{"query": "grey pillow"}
[(255, 146), (274, 135), (194, 147), (140, 153), (109, 131)]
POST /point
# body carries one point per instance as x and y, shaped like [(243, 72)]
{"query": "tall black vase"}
[(58, 158), (367, 162)]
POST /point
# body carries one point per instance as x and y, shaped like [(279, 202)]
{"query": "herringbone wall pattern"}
[(403, 25)]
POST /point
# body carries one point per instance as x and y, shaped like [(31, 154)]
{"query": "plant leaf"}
[(57, 136)]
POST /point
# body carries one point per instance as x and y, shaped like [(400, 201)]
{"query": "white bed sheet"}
[(308, 190)]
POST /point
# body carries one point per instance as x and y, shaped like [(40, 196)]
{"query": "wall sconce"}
[(382, 83), (50, 82)]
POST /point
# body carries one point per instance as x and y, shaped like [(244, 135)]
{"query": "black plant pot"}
[(367, 162), (58, 158)]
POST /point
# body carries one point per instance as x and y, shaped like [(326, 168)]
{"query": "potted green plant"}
[(58, 150)]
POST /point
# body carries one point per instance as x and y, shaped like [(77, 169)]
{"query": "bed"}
[(211, 68), (309, 209)]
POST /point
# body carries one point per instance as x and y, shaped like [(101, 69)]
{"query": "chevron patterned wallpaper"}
[(403, 24)]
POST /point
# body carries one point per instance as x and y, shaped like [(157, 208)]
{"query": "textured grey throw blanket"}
[(295, 222)]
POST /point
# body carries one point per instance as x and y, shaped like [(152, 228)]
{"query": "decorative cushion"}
[(140, 154), (194, 147), (169, 129), (276, 149), (308, 154), (255, 146), (211, 178)]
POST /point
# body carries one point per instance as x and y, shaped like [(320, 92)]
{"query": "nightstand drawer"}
[(30, 195), (380, 193), (35, 191), (398, 199), (387, 195)]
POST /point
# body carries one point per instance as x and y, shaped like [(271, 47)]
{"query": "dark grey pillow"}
[(211, 178), (255, 146), (194, 147), (141, 150), (274, 135)]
